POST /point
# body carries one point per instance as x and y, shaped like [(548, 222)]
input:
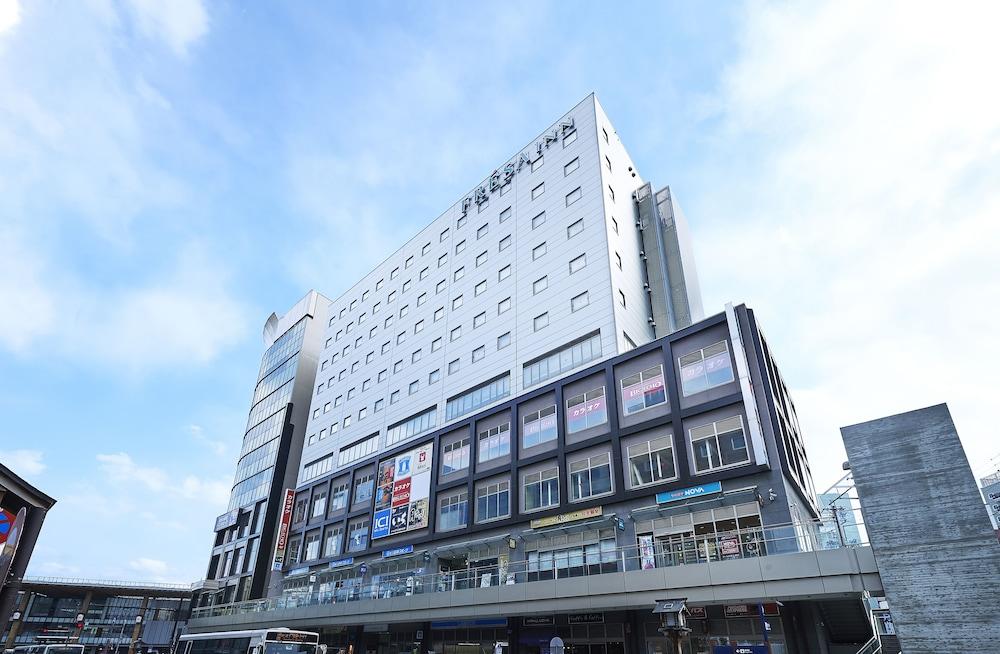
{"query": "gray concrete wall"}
[(938, 558)]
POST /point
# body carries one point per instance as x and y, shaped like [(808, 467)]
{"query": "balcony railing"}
[(566, 562)]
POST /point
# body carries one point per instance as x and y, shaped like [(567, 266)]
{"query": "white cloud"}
[(854, 196), (198, 434), (120, 467), (154, 568), (10, 14), (27, 463), (179, 23)]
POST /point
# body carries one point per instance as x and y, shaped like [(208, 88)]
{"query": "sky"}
[(173, 172)]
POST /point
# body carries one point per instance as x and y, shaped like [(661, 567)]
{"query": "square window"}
[(614, 224), (362, 413), (504, 273), (503, 305), (418, 327), (571, 166), (541, 321), (366, 384), (456, 303), (573, 196), (481, 259), (394, 397), (386, 346), (403, 310), (505, 214), (569, 138), (347, 421), (424, 273), (460, 247), (482, 231), (394, 273), (443, 259), (409, 261), (618, 260), (479, 353), (414, 386), (479, 320), (391, 296), (480, 288), (351, 393), (396, 367), (537, 191), (436, 344), (621, 298), (370, 357), (443, 235), (456, 333), (415, 356), (406, 285), (338, 401), (441, 285), (382, 374), (354, 303), (427, 248), (580, 301), (503, 340), (460, 223), (459, 274), (538, 221), (540, 285), (434, 377), (578, 264), (538, 252), (378, 284), (607, 161), (379, 405), (421, 299), (505, 243), (611, 193), (438, 314), (400, 337), (376, 307), (453, 366), (605, 135)]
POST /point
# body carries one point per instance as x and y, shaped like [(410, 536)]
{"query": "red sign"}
[(750, 610), (286, 521), (401, 492)]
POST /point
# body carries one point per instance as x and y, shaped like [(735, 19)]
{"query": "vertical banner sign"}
[(286, 521), (646, 552), (403, 493)]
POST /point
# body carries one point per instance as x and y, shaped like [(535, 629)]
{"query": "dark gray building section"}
[(936, 552)]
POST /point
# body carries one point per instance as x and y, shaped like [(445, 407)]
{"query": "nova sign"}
[(503, 176)]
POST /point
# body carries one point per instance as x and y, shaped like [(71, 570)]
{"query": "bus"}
[(53, 648), (252, 641)]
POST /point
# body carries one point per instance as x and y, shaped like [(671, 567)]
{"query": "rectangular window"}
[(312, 546), (503, 305), (541, 322), (357, 536), (334, 542), (562, 360), (540, 285), (479, 396), (541, 489), (574, 229), (537, 163), (621, 298), (611, 193), (357, 451), (389, 298), (416, 356), (364, 486), (456, 303), (706, 368), (503, 340), (418, 327), (539, 427), (480, 288), (421, 299), (423, 273), (317, 468), (494, 443), (580, 301), (414, 386), (651, 462), (455, 456), (379, 405), (443, 235), (459, 274), (400, 337), (338, 501), (537, 191), (482, 231), (607, 161), (454, 512), (460, 223), (571, 166), (504, 273), (438, 314), (362, 413), (614, 224), (434, 376), (590, 477), (386, 346), (394, 273), (573, 196), (456, 333), (504, 243), (505, 214), (441, 285), (442, 260), (408, 262), (538, 221), (454, 366), (382, 374), (569, 138), (586, 410), (538, 251), (412, 426), (578, 264), (460, 247), (479, 353), (618, 260), (427, 248), (493, 501), (719, 445), (394, 397), (479, 320), (643, 390), (482, 258), (606, 140)]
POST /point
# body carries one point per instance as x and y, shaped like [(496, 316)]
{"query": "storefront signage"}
[(740, 649), (397, 551), (297, 571), (697, 612), (227, 520), (286, 520), (585, 618), (750, 610), (402, 493), (538, 621), (340, 563), (667, 497), (647, 553), (563, 518), (503, 176)]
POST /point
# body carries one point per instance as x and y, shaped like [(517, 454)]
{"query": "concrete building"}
[(106, 617), (247, 535), (22, 512)]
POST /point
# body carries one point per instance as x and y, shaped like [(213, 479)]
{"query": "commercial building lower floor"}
[(799, 627)]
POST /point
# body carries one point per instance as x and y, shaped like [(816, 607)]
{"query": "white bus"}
[(53, 648), (251, 641)]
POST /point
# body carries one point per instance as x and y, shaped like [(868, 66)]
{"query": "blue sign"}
[(380, 525), (298, 571), (340, 563), (667, 497), (739, 649), (397, 551)]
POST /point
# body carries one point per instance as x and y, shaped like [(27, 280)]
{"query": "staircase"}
[(847, 622)]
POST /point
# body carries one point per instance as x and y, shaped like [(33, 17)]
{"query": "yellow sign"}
[(572, 516)]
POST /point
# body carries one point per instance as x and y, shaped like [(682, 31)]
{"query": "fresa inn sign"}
[(503, 175)]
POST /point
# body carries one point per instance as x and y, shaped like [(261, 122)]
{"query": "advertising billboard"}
[(286, 520), (402, 493)]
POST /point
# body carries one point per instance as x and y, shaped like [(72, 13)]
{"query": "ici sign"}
[(503, 175)]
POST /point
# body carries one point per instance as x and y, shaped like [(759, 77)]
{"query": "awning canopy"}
[(569, 527), (470, 545), (692, 505)]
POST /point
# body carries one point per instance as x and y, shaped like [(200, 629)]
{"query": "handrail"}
[(332, 585), (873, 646)]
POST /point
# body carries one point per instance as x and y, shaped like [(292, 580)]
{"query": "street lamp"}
[(673, 620)]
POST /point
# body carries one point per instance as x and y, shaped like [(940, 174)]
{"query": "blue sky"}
[(170, 173)]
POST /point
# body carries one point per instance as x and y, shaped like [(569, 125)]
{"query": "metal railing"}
[(332, 586), (873, 646)]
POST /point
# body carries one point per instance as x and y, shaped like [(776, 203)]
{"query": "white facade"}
[(431, 322)]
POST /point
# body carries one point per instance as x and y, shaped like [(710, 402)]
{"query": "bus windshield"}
[(272, 647)]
